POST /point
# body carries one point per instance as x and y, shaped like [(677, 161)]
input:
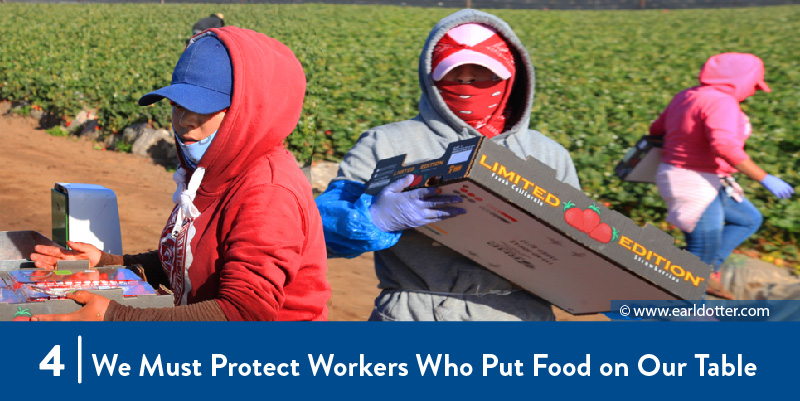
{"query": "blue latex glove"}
[(395, 210), (777, 186)]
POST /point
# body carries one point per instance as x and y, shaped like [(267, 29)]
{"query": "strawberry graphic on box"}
[(591, 218), (22, 315), (417, 180), (588, 221), (573, 216), (604, 233)]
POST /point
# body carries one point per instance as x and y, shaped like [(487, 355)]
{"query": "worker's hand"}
[(395, 210), (94, 309), (777, 186), (47, 257)]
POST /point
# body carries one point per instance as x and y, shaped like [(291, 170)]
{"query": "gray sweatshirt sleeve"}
[(565, 170), (359, 163)]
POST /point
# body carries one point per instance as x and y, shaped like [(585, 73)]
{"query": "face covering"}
[(194, 152), (479, 104)]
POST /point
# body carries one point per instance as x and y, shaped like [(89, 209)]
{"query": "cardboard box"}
[(640, 162), (523, 224), (17, 299)]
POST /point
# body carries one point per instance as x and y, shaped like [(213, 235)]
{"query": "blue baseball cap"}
[(202, 81)]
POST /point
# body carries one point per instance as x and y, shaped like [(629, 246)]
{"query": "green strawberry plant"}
[(601, 78)]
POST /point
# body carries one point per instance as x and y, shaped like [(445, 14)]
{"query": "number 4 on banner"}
[(53, 361)]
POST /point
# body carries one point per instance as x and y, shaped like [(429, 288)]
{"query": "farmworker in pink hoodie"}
[(244, 240), (704, 133)]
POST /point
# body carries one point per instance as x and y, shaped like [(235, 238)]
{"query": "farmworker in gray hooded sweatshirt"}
[(476, 79)]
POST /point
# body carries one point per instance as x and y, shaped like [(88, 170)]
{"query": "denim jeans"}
[(722, 227)]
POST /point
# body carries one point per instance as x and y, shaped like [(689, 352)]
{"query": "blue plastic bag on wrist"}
[(347, 223)]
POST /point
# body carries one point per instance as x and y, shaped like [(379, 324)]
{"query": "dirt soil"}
[(31, 162)]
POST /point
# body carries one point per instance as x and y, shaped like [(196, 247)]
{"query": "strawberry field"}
[(602, 77)]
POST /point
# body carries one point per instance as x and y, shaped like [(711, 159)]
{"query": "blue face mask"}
[(194, 152)]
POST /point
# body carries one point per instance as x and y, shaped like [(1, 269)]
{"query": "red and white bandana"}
[(472, 44), (482, 105), (477, 104)]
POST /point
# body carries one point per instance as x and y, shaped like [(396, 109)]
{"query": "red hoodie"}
[(257, 247), (704, 126)]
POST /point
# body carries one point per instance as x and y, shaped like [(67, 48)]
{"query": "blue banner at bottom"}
[(398, 361)]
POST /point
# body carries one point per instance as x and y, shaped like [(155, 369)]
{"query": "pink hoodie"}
[(704, 126)]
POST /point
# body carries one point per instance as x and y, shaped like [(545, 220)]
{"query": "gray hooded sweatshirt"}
[(420, 279)]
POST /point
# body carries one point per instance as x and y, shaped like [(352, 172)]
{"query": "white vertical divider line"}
[(80, 365)]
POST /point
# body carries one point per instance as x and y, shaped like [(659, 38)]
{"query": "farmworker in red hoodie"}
[(477, 80), (245, 240), (704, 133)]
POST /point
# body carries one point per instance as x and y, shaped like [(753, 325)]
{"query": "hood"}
[(268, 89), (521, 98), (738, 74)]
